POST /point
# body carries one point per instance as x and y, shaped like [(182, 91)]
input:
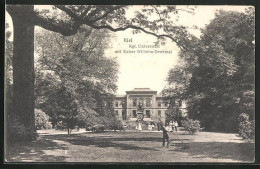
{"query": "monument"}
[(140, 115)]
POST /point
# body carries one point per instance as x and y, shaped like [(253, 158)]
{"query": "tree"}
[(239, 44), (46, 87), (23, 66), (66, 107), (25, 18), (217, 79), (41, 119), (175, 92), (76, 64)]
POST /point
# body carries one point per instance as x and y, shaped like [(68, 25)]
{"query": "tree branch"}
[(69, 12), (138, 28), (86, 11), (107, 13), (67, 29), (63, 28), (157, 12)]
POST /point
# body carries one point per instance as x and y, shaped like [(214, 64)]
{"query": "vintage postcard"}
[(127, 84)]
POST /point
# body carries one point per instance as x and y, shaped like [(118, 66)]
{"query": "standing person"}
[(176, 125), (139, 127), (152, 126), (165, 136), (149, 127), (172, 125)]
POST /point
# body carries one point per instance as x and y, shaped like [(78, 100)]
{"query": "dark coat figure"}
[(165, 137)]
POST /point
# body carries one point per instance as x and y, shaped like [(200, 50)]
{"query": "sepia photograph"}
[(129, 84)]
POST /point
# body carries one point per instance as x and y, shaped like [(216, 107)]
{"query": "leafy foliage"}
[(243, 117), (113, 123), (75, 81), (42, 120), (246, 127), (174, 112), (157, 20), (60, 125), (100, 123), (216, 78), (192, 126)]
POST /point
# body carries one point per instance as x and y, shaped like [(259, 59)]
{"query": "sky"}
[(149, 70)]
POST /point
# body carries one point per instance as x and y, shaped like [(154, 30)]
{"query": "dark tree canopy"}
[(216, 79), (73, 70)]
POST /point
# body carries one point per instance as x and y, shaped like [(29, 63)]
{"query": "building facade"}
[(154, 106)]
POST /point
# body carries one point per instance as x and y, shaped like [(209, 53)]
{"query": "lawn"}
[(131, 147)]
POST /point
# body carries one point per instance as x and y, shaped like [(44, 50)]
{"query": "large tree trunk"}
[(23, 64)]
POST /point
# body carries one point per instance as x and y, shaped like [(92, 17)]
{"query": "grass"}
[(132, 147)]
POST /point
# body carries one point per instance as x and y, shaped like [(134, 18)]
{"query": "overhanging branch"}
[(137, 28), (64, 28), (68, 29), (107, 13)]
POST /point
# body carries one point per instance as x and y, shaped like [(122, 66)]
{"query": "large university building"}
[(154, 106)]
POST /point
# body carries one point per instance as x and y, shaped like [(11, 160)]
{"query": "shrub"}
[(243, 117), (115, 124), (100, 123), (246, 128), (192, 126), (130, 127), (60, 126), (95, 124), (98, 128), (89, 128), (41, 120), (48, 125)]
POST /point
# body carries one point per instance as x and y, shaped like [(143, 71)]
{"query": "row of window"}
[(134, 114), (117, 104), (148, 103)]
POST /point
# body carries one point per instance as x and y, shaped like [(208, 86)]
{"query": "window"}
[(134, 102), (116, 112), (165, 104), (159, 104), (124, 115), (148, 102), (159, 113), (116, 104), (134, 113), (123, 104), (147, 113)]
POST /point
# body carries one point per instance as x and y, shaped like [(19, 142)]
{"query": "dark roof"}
[(141, 90)]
